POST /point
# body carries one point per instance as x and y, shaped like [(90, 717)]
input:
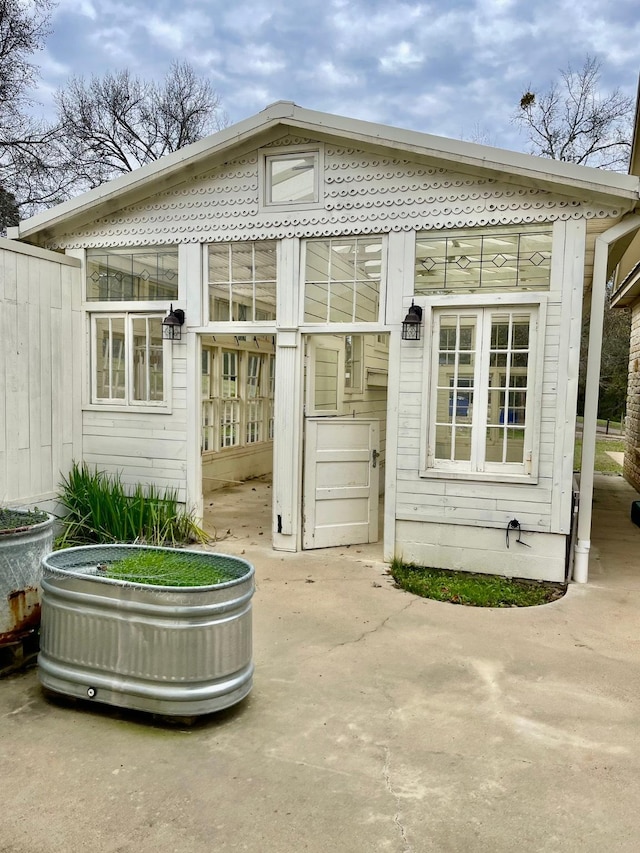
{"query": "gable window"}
[(342, 280), (481, 398), (291, 178), (492, 260), (242, 282), (132, 275), (128, 360)]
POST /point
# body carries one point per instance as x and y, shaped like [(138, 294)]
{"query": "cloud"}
[(421, 64), (259, 59), (77, 7), (399, 57)]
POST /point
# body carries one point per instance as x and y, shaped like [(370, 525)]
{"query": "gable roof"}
[(283, 116)]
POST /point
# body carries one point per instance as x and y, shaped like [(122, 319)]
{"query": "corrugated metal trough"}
[(169, 650), (21, 551)]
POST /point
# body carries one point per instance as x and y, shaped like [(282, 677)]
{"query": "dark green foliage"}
[(471, 589), (100, 510)]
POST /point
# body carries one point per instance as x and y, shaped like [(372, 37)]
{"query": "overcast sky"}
[(451, 67)]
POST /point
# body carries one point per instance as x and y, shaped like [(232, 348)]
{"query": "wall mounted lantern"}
[(412, 323), (172, 324)]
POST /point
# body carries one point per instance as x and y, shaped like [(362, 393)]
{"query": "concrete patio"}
[(378, 722)]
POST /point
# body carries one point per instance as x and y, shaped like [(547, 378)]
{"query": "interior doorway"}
[(345, 416), (236, 432)]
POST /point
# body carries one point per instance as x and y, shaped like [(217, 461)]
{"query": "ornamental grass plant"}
[(100, 509)]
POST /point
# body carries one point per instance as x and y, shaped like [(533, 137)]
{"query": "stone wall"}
[(632, 449)]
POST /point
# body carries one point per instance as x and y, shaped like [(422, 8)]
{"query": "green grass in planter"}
[(162, 568)]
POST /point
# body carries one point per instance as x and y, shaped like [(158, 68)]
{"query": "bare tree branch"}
[(113, 124), (572, 121)]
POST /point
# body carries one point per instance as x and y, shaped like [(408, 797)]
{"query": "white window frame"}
[(351, 326), (255, 307), (128, 403), (251, 404), (478, 468), (267, 155), (130, 252), (315, 345)]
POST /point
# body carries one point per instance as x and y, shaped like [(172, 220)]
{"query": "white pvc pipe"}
[(589, 427)]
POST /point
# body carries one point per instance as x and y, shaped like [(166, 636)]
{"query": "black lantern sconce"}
[(172, 325), (412, 323)]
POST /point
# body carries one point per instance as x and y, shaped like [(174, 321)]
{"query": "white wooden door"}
[(340, 482)]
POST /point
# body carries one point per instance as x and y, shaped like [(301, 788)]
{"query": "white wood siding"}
[(149, 448), (40, 386)]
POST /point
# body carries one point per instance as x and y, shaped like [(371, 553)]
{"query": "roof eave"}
[(629, 290)]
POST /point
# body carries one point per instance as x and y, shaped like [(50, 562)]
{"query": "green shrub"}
[(99, 509)]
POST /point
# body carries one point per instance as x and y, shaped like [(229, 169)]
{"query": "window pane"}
[(505, 445), (110, 357), (229, 374), (206, 389), (353, 362), (291, 178), (515, 445), (245, 275), (219, 259), (342, 280), (495, 445), (326, 380), (492, 260), (462, 451), (148, 374), (132, 274), (341, 304), (316, 298), (444, 436)]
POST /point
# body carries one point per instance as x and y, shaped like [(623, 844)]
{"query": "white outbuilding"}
[(369, 315)]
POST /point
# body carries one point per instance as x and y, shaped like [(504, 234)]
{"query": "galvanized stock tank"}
[(169, 650), (23, 543)]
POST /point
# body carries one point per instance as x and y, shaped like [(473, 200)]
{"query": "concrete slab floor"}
[(378, 722)]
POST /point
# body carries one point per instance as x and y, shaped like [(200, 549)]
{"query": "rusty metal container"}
[(21, 553), (169, 650)]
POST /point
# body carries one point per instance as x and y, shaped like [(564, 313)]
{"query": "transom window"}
[(242, 282), (128, 364), (132, 275), (494, 260), (480, 402), (342, 280)]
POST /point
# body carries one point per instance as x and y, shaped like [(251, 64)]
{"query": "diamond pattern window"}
[(487, 261), (132, 275)]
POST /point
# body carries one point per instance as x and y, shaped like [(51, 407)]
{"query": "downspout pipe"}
[(589, 428)]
